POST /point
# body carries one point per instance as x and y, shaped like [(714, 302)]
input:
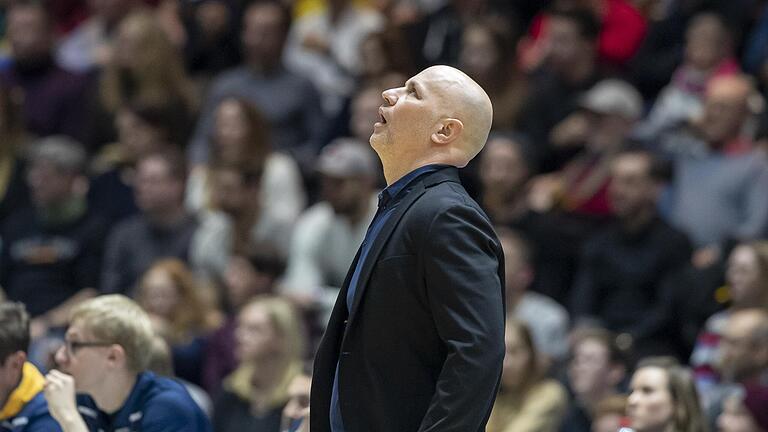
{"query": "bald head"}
[(726, 107), (439, 116), (745, 344), (461, 98)]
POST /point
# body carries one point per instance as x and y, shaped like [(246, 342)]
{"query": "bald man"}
[(415, 341)]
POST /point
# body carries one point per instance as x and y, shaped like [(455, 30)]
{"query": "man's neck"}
[(394, 171), (114, 392)]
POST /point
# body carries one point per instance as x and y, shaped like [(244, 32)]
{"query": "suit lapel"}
[(378, 245)]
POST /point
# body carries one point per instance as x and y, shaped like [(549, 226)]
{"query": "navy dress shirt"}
[(389, 198)]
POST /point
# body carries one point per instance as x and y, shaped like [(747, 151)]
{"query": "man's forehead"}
[(436, 76)]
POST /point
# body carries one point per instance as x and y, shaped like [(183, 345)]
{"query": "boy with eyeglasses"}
[(22, 405), (105, 356)]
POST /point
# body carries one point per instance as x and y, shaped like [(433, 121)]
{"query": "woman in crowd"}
[(747, 286), (144, 67), (270, 346), (663, 398), (241, 138), (527, 401), (181, 312)]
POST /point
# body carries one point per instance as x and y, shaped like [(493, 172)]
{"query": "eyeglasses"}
[(73, 346)]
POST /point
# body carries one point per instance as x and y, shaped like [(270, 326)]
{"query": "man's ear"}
[(116, 355), (16, 360), (449, 130)]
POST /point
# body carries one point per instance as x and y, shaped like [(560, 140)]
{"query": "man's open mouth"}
[(381, 116)]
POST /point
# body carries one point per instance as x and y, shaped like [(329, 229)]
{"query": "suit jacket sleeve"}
[(465, 291)]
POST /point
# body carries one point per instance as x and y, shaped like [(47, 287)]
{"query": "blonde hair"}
[(118, 320), (287, 325), (192, 313), (158, 73)]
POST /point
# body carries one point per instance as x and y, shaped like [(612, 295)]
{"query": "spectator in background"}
[(622, 29), (22, 404), (270, 346), (718, 189), (163, 228), (544, 317), (329, 233), (211, 30), (145, 68), (382, 54), (325, 47), (296, 411), (51, 250), (182, 312), (89, 45), (708, 53), (609, 414), (247, 276), (745, 411), (288, 101), (747, 282), (505, 168), (622, 266), (597, 132), (241, 138), (487, 46), (663, 397), (595, 373), (527, 402), (743, 357), (108, 348), (52, 96), (569, 69), (142, 129), (13, 188)]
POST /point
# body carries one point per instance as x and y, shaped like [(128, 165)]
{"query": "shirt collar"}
[(395, 190)]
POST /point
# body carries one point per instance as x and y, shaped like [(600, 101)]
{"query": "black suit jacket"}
[(423, 346)]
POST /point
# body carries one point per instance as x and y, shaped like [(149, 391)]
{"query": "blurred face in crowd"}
[(503, 169), (298, 402), (256, 336), (373, 57), (157, 190), (230, 131), (744, 277), (479, 56), (137, 137), (650, 405), (345, 194), (590, 371), (705, 42), (725, 109), (518, 273), (263, 34), (242, 281), (607, 131), (517, 362), (159, 294), (29, 33), (111, 11), (88, 365), (736, 417), (632, 189), (50, 185), (743, 353), (567, 45), (365, 112)]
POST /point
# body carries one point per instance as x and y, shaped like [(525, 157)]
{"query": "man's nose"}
[(390, 96)]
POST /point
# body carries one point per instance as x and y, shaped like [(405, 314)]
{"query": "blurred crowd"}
[(210, 160)]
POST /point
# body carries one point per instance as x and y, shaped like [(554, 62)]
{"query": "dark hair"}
[(588, 25), (659, 170), (258, 136), (265, 260), (14, 329)]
